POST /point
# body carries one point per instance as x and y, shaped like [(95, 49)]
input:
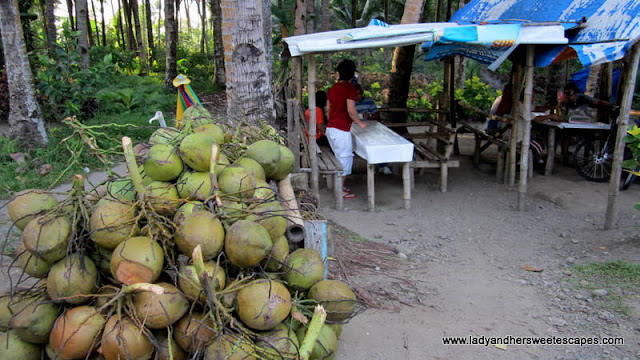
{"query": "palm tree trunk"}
[(71, 17), (187, 10), (25, 119), (89, 29), (354, 15), (149, 24), (131, 42), (402, 64), (50, 17), (249, 91), (83, 29), (144, 65), (203, 21), (104, 32), (95, 20), (171, 43), (326, 26), (218, 49), (123, 42)]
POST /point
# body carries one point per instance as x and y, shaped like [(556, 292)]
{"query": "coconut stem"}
[(313, 331), (212, 174), (132, 166), (78, 184)]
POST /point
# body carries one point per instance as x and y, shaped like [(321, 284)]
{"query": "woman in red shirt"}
[(341, 107), (321, 102)]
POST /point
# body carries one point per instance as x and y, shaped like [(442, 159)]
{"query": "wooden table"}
[(552, 126), (378, 144)]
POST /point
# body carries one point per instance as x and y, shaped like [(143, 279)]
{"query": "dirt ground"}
[(465, 250), (457, 258)]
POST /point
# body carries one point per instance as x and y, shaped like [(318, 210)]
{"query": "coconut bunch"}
[(176, 261)]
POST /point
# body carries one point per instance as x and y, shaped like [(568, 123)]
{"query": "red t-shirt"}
[(337, 97), (319, 121)]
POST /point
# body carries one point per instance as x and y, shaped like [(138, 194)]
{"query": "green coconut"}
[(35, 320), (232, 210), (195, 150), (271, 216), (197, 115), (12, 347), (104, 295), (163, 163), (194, 185), (280, 342), (186, 209), (304, 268), (76, 333), (137, 260), (46, 236), (162, 350), (102, 258), (213, 130), (165, 135), (263, 304), (253, 167), (27, 204), (337, 329), (263, 191), (189, 282), (336, 297), (71, 277), (121, 189), (200, 228), (267, 153), (235, 180), (160, 311), (326, 345), (112, 222), (246, 243), (123, 339), (7, 307), (285, 164), (163, 197), (277, 255), (194, 331), (32, 264), (230, 347)]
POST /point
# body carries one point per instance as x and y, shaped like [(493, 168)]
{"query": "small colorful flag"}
[(186, 97)]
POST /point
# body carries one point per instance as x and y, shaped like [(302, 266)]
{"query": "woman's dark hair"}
[(571, 86), (321, 99), (346, 69)]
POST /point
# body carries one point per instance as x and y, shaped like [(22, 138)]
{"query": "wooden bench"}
[(433, 144), (328, 166)]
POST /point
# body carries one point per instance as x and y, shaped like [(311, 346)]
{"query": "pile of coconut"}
[(186, 258)]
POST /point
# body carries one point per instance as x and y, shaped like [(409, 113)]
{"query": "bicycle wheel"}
[(592, 159), (627, 179)]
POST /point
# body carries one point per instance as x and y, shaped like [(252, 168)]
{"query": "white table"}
[(378, 144), (551, 139)]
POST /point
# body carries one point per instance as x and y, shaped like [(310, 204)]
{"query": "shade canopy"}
[(606, 31)]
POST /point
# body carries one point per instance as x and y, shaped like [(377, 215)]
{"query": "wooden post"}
[(525, 111), (293, 133), (611, 216), (444, 174), (500, 165), (406, 185), (516, 80), (551, 150), (296, 67), (371, 190), (313, 147)]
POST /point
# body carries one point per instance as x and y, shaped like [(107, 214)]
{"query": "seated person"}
[(321, 102), (365, 105), (369, 110), (573, 103)]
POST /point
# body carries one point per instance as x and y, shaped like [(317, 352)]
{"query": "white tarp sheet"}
[(378, 144)]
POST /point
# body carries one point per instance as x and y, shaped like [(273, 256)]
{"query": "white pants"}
[(342, 146)]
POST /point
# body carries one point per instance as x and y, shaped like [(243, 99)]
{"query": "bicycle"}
[(593, 158)]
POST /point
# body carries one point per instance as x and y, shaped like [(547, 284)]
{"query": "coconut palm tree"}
[(25, 118)]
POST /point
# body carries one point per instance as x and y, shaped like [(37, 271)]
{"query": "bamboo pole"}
[(525, 111), (371, 190), (295, 230), (629, 85), (513, 136), (406, 185), (313, 154)]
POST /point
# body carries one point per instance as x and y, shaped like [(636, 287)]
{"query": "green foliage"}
[(65, 88), (633, 144), (135, 93), (476, 93)]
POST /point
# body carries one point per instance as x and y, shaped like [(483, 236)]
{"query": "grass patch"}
[(611, 275), (347, 234)]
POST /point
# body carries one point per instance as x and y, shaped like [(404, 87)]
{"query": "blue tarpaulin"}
[(608, 27)]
